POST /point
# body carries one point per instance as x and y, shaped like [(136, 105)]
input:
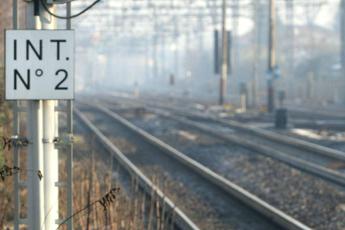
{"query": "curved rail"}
[(277, 216), (301, 164), (275, 137), (182, 221)]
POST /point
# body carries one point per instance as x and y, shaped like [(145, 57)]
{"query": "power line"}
[(68, 17)]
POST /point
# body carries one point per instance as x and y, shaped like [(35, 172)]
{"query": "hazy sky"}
[(324, 17)]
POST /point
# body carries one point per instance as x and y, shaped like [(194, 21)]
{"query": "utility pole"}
[(224, 65), (154, 44), (255, 51), (271, 57), (147, 57), (154, 55), (235, 45), (35, 150), (176, 54), (187, 55), (69, 163), (342, 37), (201, 30), (43, 195), (163, 56), (16, 132), (51, 159), (290, 18)]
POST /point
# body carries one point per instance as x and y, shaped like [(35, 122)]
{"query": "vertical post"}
[(235, 45), (16, 160), (176, 64), (50, 174), (271, 57), (15, 14), (154, 44), (69, 162), (35, 162), (201, 39), (216, 51), (224, 67), (256, 18), (163, 56), (187, 56), (50, 154), (290, 15), (147, 57), (35, 150), (154, 55), (16, 125), (228, 51), (176, 56), (342, 38)]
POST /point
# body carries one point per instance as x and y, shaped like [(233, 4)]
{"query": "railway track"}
[(316, 113), (320, 161), (181, 221), (324, 167), (232, 206), (298, 117)]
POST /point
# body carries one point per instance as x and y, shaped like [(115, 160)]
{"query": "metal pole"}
[(187, 56), (154, 55), (255, 52), (16, 125), (235, 45), (51, 196), (147, 56), (154, 45), (35, 150), (163, 56), (271, 57), (35, 162), (176, 63), (290, 15), (342, 37), (201, 34), (15, 14), (51, 159), (69, 162), (224, 74)]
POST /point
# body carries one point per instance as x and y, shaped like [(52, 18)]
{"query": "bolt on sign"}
[(39, 64)]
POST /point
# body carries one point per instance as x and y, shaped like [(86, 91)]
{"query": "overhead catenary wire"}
[(55, 2), (68, 17)]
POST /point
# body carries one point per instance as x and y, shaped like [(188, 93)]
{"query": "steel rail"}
[(271, 213), (278, 138), (308, 146), (321, 113), (181, 220), (312, 168), (269, 135)]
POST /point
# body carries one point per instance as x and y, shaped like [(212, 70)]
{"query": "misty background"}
[(136, 45)]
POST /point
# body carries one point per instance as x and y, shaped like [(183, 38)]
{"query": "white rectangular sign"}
[(39, 64)]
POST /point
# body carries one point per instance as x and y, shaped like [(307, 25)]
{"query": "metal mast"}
[(224, 65), (271, 57)]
